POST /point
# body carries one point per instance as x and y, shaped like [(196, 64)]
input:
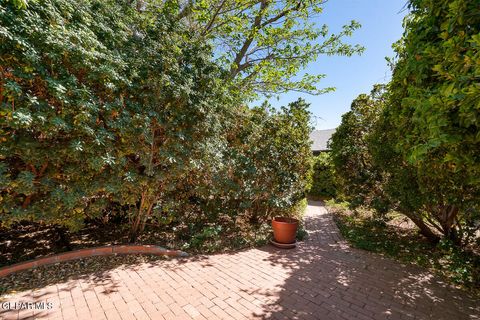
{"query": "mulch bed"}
[(26, 240)]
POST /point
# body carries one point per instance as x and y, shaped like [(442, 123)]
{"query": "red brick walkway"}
[(321, 279)]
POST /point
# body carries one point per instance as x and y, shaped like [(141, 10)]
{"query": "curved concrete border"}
[(90, 252)]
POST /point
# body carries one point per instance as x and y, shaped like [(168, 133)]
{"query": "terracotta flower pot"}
[(284, 229)]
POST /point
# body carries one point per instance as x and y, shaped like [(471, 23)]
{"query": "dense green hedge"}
[(433, 118), (323, 180), (355, 173), (416, 147), (103, 106)]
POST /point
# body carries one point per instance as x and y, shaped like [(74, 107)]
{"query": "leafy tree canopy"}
[(264, 44), (99, 103)]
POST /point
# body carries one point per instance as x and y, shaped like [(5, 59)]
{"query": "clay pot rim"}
[(286, 220)]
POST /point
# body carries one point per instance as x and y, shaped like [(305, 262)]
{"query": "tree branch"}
[(212, 20), (243, 50), (282, 14)]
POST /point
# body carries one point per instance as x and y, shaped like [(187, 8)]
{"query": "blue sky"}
[(381, 26)]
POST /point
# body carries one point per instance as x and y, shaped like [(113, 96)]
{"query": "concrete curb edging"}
[(91, 252)]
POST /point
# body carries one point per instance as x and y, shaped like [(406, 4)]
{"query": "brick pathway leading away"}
[(321, 279)]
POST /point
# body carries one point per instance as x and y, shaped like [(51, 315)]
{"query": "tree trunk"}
[(447, 215), (135, 227), (62, 239), (431, 236), (145, 217), (138, 225), (133, 234)]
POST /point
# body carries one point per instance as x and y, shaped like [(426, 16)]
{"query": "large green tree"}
[(430, 128), (59, 79)]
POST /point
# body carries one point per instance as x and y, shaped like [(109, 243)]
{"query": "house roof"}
[(320, 139)]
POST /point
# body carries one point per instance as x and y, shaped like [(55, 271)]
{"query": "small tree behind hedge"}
[(359, 180), (265, 162)]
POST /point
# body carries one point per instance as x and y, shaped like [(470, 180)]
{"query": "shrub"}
[(323, 182), (103, 106), (415, 147), (359, 180), (100, 104), (62, 84), (427, 138), (263, 165)]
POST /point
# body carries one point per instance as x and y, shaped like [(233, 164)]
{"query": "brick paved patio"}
[(321, 279)]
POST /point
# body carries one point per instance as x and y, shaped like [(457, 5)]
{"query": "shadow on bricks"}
[(330, 280)]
